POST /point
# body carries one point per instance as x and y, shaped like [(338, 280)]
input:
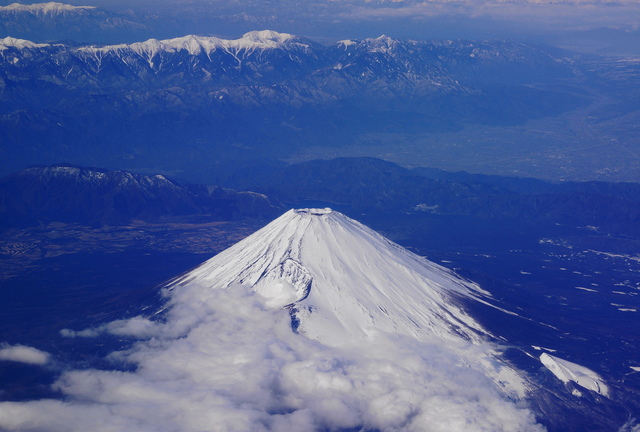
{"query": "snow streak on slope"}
[(224, 356), (343, 280)]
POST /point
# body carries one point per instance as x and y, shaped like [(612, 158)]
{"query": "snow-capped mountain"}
[(313, 323), (342, 281), (19, 44)]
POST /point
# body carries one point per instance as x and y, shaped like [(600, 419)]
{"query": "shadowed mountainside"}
[(71, 194)]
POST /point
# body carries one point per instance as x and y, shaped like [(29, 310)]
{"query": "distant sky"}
[(601, 26), (591, 25)]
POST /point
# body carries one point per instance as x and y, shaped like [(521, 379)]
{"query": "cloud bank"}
[(23, 354), (553, 15), (229, 363)]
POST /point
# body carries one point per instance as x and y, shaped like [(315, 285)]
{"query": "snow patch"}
[(381, 44), (314, 211), (539, 348), (567, 371), (612, 255), (586, 289), (346, 43), (284, 284)]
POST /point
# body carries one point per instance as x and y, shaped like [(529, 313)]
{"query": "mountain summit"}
[(343, 281)]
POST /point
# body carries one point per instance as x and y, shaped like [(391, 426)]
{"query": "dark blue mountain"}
[(71, 194), (374, 184)]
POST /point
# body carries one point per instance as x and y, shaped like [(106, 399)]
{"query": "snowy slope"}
[(342, 280), (567, 371), (10, 42)]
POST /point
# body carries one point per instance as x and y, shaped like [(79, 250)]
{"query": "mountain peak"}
[(10, 42), (382, 43), (342, 281), (266, 36)]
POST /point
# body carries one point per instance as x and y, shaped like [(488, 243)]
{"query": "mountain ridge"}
[(360, 184), (72, 194), (374, 184)]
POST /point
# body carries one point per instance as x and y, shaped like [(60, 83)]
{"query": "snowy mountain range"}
[(274, 93), (195, 45), (426, 66)]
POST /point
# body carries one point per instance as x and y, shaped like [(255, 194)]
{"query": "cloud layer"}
[(232, 364), (23, 354), (552, 15)]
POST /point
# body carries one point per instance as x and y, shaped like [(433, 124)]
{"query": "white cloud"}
[(550, 14), (23, 354), (138, 327), (631, 426), (232, 364)]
